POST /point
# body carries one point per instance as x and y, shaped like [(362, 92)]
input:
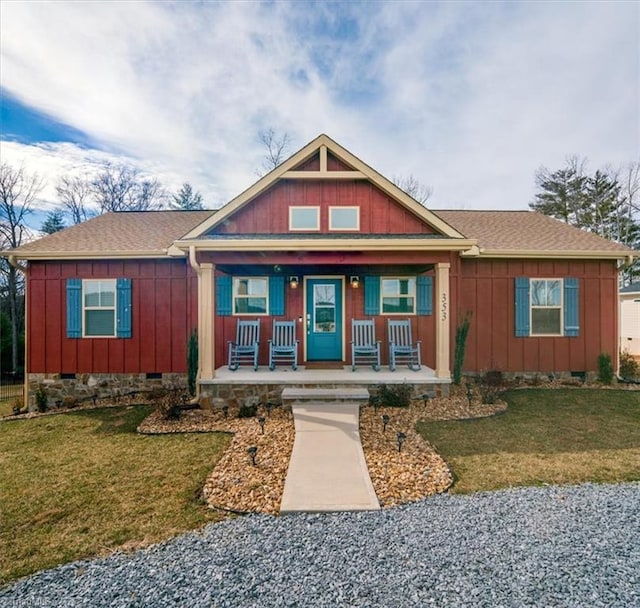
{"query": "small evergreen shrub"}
[(169, 404), (605, 368), (629, 367), (493, 378), (396, 395), (42, 402), (461, 343), (249, 408), (192, 362)]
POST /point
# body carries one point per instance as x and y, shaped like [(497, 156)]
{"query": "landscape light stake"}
[(385, 421), (268, 406), (94, 398), (469, 394), (225, 411), (252, 451), (401, 437), (261, 422)]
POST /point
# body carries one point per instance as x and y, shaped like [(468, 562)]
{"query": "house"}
[(630, 319), (322, 239)]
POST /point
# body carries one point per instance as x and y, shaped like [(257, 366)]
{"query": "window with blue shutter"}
[(74, 308), (522, 307), (571, 307), (123, 315), (371, 295), (223, 296), (277, 295), (424, 286)]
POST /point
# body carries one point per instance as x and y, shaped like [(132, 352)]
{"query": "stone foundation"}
[(234, 394), (84, 387)]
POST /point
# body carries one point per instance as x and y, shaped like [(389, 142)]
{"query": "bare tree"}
[(18, 191), (414, 188), (122, 188), (75, 194), (276, 147)]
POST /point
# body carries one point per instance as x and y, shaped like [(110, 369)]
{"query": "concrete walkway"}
[(327, 471)]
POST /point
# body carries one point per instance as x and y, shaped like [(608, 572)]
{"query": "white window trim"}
[(235, 295), (114, 308), (560, 307), (293, 208), (357, 227), (400, 295)]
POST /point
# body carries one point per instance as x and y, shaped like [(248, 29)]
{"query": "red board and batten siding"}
[(269, 212), (486, 287), (164, 310)]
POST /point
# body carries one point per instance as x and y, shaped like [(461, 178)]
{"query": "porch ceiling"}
[(325, 269)]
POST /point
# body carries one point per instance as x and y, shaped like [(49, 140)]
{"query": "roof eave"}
[(559, 254), (83, 255)]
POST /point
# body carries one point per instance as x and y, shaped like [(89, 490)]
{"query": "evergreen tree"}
[(54, 222), (187, 199)]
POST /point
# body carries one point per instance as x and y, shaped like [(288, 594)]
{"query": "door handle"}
[(308, 323)]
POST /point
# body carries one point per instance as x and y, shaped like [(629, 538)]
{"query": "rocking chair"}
[(283, 345), (401, 346), (364, 346), (245, 348)]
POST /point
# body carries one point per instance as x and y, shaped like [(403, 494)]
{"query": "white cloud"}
[(470, 98)]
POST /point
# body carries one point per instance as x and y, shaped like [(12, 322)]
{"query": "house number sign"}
[(443, 307)]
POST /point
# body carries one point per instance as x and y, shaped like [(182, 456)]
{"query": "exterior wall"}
[(269, 212), (630, 323), (164, 310), (486, 288)]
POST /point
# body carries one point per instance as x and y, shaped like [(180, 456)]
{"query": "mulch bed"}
[(398, 477)]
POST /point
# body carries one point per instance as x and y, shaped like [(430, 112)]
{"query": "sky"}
[(468, 97)]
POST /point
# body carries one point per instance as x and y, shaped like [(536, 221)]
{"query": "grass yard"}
[(81, 484), (546, 436)]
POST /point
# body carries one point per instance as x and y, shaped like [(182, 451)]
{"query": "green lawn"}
[(546, 436), (84, 483)]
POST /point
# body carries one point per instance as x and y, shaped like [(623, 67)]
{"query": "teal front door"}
[(324, 319)]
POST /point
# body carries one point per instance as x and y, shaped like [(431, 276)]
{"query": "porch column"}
[(206, 324), (443, 369)]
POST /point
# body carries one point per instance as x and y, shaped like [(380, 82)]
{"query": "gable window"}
[(398, 295), (99, 307), (304, 218), (250, 295), (546, 307), (344, 218)]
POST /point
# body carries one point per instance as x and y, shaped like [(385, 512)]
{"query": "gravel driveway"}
[(552, 546)]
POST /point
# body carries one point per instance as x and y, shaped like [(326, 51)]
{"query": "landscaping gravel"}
[(553, 546)]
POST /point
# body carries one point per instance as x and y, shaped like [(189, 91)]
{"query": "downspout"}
[(198, 270), (13, 260)]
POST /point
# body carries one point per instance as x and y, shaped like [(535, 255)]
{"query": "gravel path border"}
[(560, 546)]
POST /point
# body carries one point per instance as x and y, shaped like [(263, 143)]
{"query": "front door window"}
[(324, 308)]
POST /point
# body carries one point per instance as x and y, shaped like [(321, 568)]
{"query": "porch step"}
[(296, 394)]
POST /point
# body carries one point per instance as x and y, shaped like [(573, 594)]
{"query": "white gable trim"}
[(322, 144)]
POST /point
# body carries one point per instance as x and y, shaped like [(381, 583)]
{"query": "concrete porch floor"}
[(344, 376)]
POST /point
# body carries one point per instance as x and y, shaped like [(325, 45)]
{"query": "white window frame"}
[(235, 295), (559, 307), (413, 294), (86, 308), (344, 207), (294, 208)]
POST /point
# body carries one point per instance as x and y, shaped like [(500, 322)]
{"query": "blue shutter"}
[(371, 295), (424, 286), (571, 307), (276, 295), (74, 308), (223, 296), (522, 306), (123, 308)]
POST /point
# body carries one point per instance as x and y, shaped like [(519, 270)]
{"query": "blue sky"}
[(469, 97)]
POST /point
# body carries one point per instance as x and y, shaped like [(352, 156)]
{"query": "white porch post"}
[(442, 304), (206, 322)]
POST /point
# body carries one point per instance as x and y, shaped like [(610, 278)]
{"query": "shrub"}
[(396, 395), (493, 378), (488, 395), (605, 368), (461, 343), (69, 402), (249, 407), (629, 367), (169, 404), (192, 362), (42, 402)]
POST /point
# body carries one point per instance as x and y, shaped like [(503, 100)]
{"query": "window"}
[(99, 308), (304, 218), (398, 296), (546, 307), (250, 296), (344, 218)]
